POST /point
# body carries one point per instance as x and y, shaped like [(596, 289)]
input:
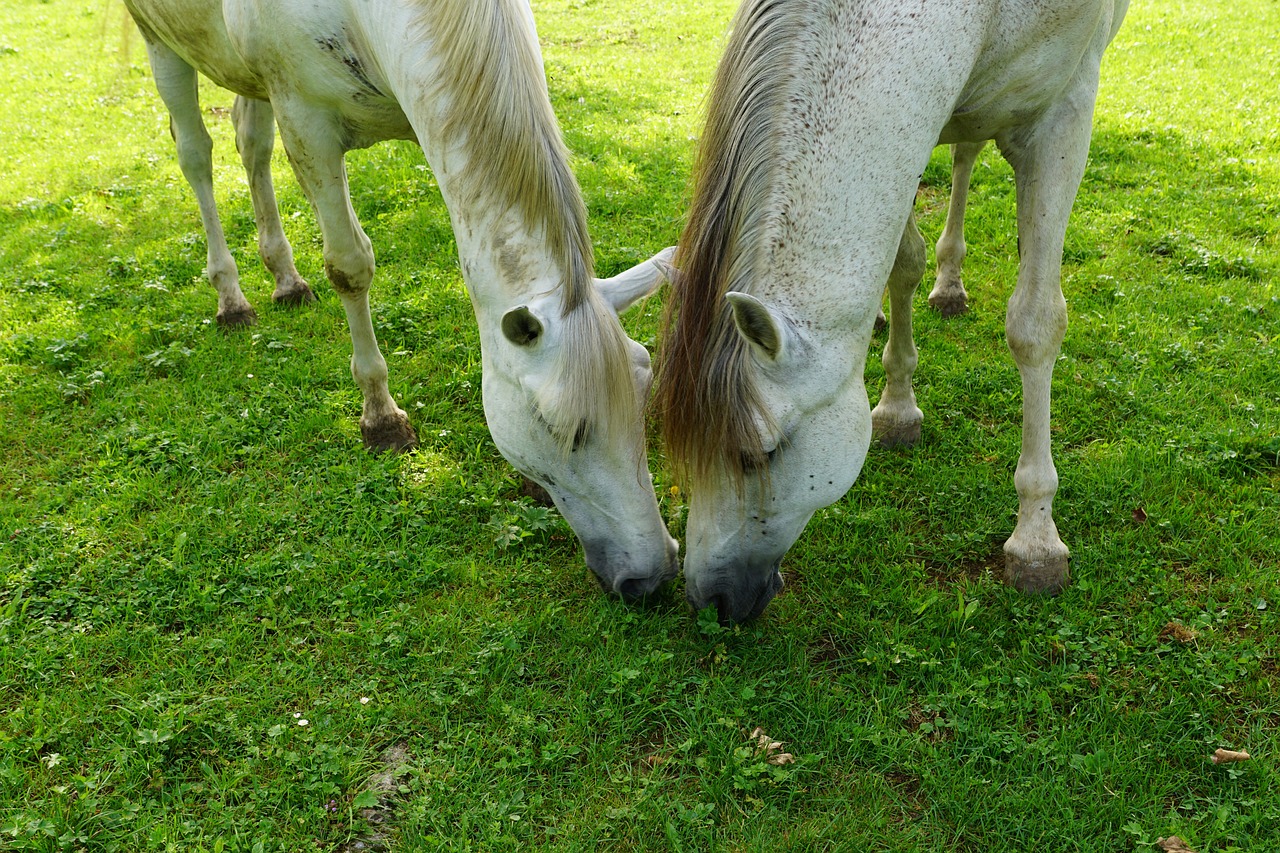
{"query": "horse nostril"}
[(632, 589), (723, 604)]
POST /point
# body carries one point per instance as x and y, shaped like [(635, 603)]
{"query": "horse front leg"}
[(1048, 160), (311, 139), (178, 85), (255, 139), (948, 296), (896, 419)]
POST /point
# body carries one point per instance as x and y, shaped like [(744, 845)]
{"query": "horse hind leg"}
[(178, 85), (255, 139), (896, 419), (948, 296), (349, 264)]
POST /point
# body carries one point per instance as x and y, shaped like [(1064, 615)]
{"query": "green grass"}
[(196, 554)]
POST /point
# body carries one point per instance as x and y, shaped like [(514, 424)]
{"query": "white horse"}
[(822, 118), (563, 384)]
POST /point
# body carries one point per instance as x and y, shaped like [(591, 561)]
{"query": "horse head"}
[(570, 420)]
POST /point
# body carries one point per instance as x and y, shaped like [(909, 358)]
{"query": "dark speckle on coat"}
[(341, 50)]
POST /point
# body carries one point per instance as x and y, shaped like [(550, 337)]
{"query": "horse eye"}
[(580, 435)]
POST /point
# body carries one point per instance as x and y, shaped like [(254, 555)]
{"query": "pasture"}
[(227, 627)]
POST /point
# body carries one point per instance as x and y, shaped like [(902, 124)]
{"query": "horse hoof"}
[(1037, 577), (292, 297), (898, 435), (393, 434), (239, 318), (949, 304)]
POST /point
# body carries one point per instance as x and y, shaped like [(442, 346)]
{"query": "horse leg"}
[(948, 296), (896, 419), (255, 138), (178, 85), (1048, 160), (312, 141)]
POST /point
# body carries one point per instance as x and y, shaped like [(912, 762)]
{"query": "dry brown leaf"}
[(1227, 756), (1173, 844), (1179, 633), (770, 748)]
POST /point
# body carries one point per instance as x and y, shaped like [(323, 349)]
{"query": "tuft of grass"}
[(196, 556)]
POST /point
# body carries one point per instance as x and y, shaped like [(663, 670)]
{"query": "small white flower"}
[(297, 714), (364, 700), (302, 722)]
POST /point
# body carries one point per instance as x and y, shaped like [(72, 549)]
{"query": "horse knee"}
[(909, 263), (1035, 332), (349, 280)]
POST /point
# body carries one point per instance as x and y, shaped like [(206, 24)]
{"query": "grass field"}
[(226, 627)]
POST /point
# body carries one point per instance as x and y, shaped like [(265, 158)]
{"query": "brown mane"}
[(709, 404)]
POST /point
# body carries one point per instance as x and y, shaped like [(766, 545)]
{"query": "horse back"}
[(330, 54)]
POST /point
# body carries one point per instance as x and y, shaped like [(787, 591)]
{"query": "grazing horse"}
[(563, 384), (821, 120)]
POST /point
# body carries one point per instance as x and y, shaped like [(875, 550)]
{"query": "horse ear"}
[(758, 325), (521, 326), (627, 288)]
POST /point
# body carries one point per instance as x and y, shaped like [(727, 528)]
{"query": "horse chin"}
[(737, 596)]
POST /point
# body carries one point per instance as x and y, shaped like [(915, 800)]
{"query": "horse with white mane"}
[(563, 384), (822, 118)]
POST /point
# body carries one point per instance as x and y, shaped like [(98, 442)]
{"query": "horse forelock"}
[(710, 406), (597, 396), (499, 109)]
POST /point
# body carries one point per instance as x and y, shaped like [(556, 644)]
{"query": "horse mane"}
[(498, 106), (706, 396)]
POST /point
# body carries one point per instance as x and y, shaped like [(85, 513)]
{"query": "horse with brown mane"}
[(821, 120)]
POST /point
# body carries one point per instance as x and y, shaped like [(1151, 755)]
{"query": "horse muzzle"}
[(737, 596), (617, 571)]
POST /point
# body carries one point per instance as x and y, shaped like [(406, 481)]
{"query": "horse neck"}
[(470, 78), (852, 133)]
